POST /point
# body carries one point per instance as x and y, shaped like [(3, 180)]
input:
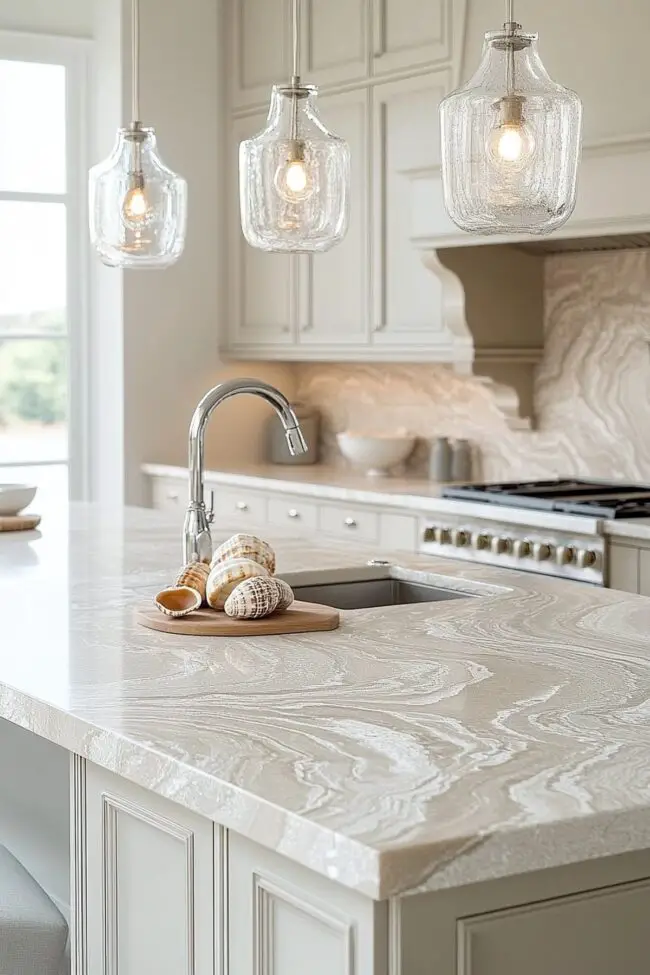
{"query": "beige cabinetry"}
[(644, 572), (260, 55), (629, 565), (334, 55)]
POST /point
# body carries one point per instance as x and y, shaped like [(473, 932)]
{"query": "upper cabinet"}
[(410, 34), (335, 54), (260, 50)]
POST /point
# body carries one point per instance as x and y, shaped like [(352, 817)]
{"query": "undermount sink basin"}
[(365, 593)]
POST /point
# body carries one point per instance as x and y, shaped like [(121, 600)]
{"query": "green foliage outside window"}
[(33, 381)]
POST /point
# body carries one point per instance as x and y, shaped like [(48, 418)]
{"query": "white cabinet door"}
[(150, 882), (285, 920), (336, 41), (624, 568), (261, 286), (260, 49), (410, 33), (409, 289), (335, 285)]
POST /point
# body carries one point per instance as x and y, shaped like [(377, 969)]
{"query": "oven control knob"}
[(441, 536), (500, 546), (480, 540), (459, 538), (541, 551), (586, 558), (565, 554), (521, 548)]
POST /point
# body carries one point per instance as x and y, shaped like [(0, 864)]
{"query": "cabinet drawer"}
[(237, 507), (293, 512), (350, 522), (169, 493)]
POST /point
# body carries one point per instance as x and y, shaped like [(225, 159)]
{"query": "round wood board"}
[(299, 618), (19, 523)]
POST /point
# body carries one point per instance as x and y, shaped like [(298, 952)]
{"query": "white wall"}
[(71, 17)]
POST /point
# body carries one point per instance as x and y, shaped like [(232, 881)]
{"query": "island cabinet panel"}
[(644, 572), (150, 882), (624, 568), (285, 920)]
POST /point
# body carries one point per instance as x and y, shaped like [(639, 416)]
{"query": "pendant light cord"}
[(295, 76), (510, 27), (135, 61)]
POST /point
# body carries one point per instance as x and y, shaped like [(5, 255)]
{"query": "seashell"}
[(195, 575), (242, 546), (178, 601), (224, 576), (253, 598), (285, 594)]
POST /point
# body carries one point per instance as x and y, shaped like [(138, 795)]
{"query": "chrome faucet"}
[(197, 541)]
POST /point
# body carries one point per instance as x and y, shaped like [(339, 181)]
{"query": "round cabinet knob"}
[(442, 535), (565, 554), (521, 548), (586, 558), (350, 523), (293, 513), (500, 546), (541, 551), (480, 540), (459, 538), (242, 506)]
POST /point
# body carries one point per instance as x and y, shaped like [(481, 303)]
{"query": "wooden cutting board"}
[(299, 618), (19, 523)]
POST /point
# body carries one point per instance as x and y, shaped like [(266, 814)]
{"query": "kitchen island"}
[(457, 786)]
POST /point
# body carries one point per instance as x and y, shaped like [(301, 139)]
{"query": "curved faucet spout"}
[(197, 541)]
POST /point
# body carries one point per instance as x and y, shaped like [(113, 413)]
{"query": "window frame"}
[(73, 54)]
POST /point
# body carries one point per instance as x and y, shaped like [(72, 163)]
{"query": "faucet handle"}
[(210, 511)]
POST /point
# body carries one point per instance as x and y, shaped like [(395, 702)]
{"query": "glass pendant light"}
[(294, 176), (510, 141), (137, 206)]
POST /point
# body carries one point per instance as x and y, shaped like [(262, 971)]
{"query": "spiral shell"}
[(178, 601), (285, 594), (242, 546), (224, 576), (195, 575), (253, 598)]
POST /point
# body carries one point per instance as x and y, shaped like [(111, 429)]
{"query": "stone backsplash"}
[(591, 396)]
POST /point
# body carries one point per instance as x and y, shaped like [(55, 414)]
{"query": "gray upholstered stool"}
[(33, 933)]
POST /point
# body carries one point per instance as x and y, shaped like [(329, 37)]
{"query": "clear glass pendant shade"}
[(510, 142), (138, 207), (294, 178)]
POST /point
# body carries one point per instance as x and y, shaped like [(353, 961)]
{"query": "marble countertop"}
[(630, 528), (417, 747)]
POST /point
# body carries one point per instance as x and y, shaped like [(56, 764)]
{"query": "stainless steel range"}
[(551, 527)]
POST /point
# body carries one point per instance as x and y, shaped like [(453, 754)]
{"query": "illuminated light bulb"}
[(293, 179), (511, 145), (136, 211)]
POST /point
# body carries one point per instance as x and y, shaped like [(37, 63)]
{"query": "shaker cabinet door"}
[(334, 289), (336, 41), (260, 49), (408, 34), (150, 887)]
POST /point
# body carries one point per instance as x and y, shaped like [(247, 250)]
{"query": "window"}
[(42, 262)]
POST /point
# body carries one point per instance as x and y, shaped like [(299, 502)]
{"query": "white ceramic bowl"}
[(15, 497), (376, 455)]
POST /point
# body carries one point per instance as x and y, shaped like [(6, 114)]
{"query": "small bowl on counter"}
[(375, 454), (15, 497)]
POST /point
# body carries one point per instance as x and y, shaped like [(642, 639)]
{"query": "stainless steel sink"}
[(366, 593)]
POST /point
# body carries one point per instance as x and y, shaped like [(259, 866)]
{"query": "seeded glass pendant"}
[(294, 176), (137, 206), (510, 141)]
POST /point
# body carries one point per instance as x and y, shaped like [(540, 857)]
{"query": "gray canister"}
[(440, 460), (277, 451), (461, 464)]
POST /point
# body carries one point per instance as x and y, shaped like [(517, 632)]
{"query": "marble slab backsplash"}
[(591, 393)]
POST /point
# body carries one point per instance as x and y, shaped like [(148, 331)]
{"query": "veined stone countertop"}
[(416, 747)]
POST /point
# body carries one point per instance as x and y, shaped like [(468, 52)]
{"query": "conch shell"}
[(242, 546), (178, 601), (224, 576), (195, 575)]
